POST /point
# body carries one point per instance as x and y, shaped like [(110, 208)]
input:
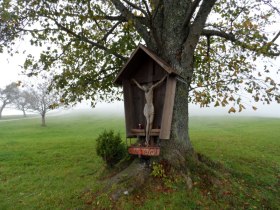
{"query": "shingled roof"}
[(136, 58)]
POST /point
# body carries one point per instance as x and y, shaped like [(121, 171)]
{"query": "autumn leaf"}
[(224, 102), (241, 107), (199, 84), (231, 98), (217, 104), (232, 109), (269, 90)]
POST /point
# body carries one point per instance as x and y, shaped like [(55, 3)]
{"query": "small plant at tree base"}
[(158, 170), (110, 147), (162, 171)]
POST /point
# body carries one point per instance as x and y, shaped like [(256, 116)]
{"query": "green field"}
[(56, 167)]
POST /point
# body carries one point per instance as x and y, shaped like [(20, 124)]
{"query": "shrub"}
[(110, 147)]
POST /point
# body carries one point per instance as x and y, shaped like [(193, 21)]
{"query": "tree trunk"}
[(24, 113), (1, 110), (43, 120), (173, 36), (178, 147), (176, 38)]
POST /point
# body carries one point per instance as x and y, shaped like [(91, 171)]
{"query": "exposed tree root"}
[(189, 167), (137, 182), (126, 181)]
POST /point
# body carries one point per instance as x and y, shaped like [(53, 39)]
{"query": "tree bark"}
[(43, 120), (176, 39), (24, 113), (1, 109)]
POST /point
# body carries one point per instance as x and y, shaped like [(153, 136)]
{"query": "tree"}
[(42, 101), (8, 95), (22, 101), (213, 45)]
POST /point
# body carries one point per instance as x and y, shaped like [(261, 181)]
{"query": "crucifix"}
[(149, 110)]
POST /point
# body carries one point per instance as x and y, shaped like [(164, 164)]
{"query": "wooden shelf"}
[(141, 132)]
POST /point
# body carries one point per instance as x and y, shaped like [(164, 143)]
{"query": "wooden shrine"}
[(145, 68)]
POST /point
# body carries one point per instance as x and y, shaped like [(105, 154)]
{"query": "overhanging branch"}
[(139, 25), (233, 39), (197, 26), (276, 37), (227, 36), (191, 11), (110, 31), (136, 7), (85, 39)]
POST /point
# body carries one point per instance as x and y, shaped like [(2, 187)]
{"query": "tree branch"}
[(197, 26), (136, 7), (107, 17), (202, 15), (232, 38), (147, 8), (93, 17), (273, 7), (37, 30), (191, 11), (139, 26), (110, 31), (85, 39), (227, 36), (276, 37)]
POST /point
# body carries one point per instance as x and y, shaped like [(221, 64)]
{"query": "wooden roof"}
[(136, 58)]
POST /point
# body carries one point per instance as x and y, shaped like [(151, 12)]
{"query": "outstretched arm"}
[(159, 82), (133, 80)]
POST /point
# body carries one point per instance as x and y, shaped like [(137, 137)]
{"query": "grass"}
[(56, 167), (250, 148), (49, 167)]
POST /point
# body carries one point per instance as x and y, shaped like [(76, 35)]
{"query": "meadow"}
[(56, 167)]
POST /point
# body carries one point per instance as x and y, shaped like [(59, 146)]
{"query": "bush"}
[(110, 147)]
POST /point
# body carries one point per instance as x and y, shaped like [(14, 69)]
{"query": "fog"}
[(117, 108), (10, 71)]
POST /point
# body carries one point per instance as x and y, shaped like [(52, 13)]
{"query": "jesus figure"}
[(149, 110)]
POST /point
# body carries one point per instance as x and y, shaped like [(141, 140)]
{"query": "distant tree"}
[(8, 96), (42, 101), (22, 101)]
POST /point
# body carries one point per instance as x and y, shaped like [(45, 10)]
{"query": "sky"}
[(9, 69)]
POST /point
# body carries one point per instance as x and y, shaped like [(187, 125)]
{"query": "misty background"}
[(10, 71)]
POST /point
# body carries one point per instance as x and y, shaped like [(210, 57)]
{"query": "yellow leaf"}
[(225, 100), (199, 84), (217, 104), (232, 109), (269, 90), (231, 98), (241, 107)]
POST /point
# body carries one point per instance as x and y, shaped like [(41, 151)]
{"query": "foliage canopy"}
[(8, 95), (87, 42)]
